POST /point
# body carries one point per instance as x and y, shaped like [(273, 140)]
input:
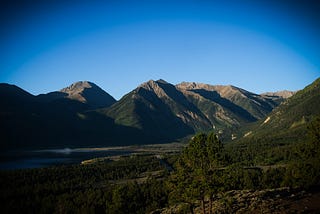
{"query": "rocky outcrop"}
[(281, 94), (280, 200)]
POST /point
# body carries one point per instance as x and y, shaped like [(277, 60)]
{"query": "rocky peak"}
[(90, 93), (148, 85), (77, 87), (154, 86)]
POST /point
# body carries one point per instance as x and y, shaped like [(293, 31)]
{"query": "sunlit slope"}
[(163, 109)]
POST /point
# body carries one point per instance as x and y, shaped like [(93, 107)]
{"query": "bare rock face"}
[(282, 94), (232, 97), (75, 90), (89, 93), (154, 86)]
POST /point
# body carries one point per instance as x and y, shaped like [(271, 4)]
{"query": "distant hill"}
[(288, 122), (53, 120), (82, 114), (14, 98)]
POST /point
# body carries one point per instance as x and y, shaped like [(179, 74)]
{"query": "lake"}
[(52, 157)]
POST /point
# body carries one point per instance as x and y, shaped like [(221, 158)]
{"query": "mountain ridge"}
[(282, 94), (154, 112), (195, 106), (290, 119), (236, 95)]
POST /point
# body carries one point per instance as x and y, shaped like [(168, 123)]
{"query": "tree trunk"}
[(203, 206), (191, 208), (210, 204)]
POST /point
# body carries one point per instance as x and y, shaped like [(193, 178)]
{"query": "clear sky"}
[(253, 44)]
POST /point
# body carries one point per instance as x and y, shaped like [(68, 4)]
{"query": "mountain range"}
[(167, 110), (155, 112)]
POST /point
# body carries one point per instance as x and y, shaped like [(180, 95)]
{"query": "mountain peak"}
[(90, 93), (152, 84), (162, 81), (77, 87)]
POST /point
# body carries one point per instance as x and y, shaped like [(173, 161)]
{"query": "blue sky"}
[(256, 45)]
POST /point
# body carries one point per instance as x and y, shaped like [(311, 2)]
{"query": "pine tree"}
[(197, 170)]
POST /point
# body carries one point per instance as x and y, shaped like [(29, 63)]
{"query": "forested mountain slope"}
[(288, 122)]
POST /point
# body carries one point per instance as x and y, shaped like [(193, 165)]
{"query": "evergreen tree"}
[(197, 171)]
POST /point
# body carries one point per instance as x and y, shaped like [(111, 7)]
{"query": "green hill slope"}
[(288, 122)]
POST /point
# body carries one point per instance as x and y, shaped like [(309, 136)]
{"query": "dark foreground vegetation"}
[(206, 174)]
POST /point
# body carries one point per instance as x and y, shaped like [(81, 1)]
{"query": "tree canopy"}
[(197, 169)]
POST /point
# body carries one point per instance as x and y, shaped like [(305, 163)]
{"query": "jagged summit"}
[(78, 87)]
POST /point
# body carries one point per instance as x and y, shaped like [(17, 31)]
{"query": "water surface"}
[(52, 157)]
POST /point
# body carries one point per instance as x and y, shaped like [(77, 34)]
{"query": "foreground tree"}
[(197, 170)]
